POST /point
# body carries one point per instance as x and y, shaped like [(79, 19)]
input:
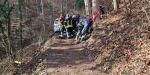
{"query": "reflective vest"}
[(69, 24), (81, 23), (65, 23)]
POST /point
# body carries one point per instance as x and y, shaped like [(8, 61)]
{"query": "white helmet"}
[(67, 16), (74, 16)]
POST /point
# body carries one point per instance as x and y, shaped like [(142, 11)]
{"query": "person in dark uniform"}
[(101, 11)]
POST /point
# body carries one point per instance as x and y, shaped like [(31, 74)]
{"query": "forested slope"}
[(119, 45)]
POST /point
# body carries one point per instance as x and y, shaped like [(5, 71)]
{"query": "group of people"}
[(72, 23), (84, 26), (69, 24)]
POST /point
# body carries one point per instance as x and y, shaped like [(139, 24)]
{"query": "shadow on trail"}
[(69, 57), (56, 58)]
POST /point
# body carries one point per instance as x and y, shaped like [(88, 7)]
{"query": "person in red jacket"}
[(95, 14), (60, 23)]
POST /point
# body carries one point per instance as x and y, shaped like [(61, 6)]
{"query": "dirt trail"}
[(65, 57)]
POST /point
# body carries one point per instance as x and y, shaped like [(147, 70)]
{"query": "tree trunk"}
[(37, 6), (5, 28), (95, 10), (42, 7), (94, 6), (62, 1), (74, 5), (90, 7), (67, 8), (125, 5), (86, 7), (130, 6), (20, 17), (116, 4)]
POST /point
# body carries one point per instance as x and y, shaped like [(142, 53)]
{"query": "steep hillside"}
[(119, 45), (123, 42)]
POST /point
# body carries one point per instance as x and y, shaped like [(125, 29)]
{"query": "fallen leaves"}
[(125, 43)]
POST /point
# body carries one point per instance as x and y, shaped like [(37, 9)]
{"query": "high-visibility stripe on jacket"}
[(65, 23), (81, 23), (69, 24)]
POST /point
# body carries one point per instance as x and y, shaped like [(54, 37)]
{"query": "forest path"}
[(65, 57)]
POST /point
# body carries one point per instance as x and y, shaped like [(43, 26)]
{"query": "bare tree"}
[(116, 4), (95, 10), (90, 7), (94, 6), (67, 8), (87, 7), (126, 7), (42, 6), (37, 6), (130, 6), (62, 1), (20, 17)]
